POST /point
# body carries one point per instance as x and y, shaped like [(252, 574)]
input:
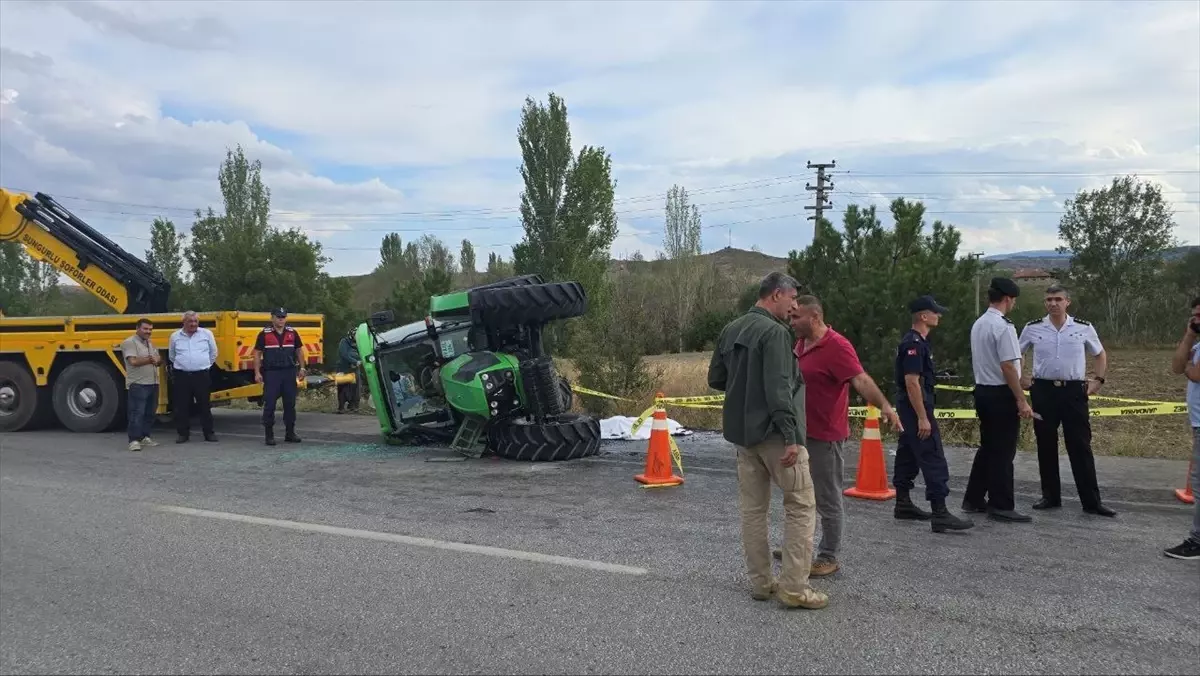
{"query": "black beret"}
[(1006, 286)]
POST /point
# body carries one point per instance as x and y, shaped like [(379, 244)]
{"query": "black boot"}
[(290, 436), (906, 510), (943, 520), (270, 431)]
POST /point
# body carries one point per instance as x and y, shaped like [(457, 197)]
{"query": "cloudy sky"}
[(374, 117)]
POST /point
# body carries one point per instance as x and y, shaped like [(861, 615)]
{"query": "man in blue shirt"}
[(1187, 363)]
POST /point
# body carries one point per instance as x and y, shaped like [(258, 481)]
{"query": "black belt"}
[(1059, 383)]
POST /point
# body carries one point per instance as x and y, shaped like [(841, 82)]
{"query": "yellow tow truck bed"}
[(71, 368)]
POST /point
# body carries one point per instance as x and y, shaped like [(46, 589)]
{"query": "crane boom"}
[(52, 234)]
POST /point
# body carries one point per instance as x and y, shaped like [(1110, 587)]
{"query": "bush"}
[(610, 343)]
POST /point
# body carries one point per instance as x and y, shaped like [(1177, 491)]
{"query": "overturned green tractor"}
[(474, 373)]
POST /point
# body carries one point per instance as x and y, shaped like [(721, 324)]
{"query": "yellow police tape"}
[(594, 393), (712, 401), (964, 388)]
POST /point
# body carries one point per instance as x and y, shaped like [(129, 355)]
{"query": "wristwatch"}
[(1098, 379)]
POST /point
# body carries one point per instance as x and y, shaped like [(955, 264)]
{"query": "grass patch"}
[(1132, 374)]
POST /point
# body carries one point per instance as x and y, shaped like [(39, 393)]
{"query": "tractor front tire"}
[(529, 304), (566, 437)]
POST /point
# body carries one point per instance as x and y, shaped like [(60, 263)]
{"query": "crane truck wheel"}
[(86, 397), (564, 437), (18, 397)]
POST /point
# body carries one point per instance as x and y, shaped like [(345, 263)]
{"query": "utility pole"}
[(976, 255), (821, 201)]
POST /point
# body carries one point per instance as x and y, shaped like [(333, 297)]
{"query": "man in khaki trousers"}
[(764, 417)]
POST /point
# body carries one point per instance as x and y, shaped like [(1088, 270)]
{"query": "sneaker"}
[(810, 599), (135, 446), (147, 441), (823, 566), (1187, 551)]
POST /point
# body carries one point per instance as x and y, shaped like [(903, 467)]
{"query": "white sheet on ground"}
[(619, 426)]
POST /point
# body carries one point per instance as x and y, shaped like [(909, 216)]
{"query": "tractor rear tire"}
[(529, 304), (567, 437), (522, 280)]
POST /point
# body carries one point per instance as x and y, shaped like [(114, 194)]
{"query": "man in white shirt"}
[(1060, 394), (999, 403), (192, 352)]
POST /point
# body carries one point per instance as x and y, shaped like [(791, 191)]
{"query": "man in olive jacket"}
[(763, 416)]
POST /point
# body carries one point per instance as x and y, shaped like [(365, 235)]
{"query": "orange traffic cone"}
[(658, 455), (871, 483), (1185, 494)]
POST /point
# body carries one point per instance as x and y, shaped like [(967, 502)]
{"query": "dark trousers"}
[(925, 455), (279, 383), (141, 405), (192, 387), (991, 482), (1067, 405), (347, 396)]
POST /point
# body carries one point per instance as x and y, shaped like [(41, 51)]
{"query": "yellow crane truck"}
[(71, 368)]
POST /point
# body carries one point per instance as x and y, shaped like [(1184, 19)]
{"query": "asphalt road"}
[(352, 557)]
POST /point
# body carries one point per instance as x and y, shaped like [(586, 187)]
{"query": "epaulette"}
[(1080, 321), (1007, 319), (1039, 320), (268, 329)]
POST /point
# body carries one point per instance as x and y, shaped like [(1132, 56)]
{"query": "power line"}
[(508, 244), (766, 182), (1157, 172), (749, 202), (947, 197)]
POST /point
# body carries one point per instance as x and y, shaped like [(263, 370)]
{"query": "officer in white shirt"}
[(1060, 394), (999, 403)]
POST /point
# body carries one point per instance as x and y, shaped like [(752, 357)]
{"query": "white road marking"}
[(408, 540)]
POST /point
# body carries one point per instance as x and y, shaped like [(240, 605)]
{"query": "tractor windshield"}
[(409, 371)]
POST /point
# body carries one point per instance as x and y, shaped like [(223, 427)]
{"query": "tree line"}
[(864, 270)]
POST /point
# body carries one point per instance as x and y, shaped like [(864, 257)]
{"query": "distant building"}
[(1032, 275)]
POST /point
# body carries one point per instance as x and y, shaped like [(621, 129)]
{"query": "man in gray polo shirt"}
[(141, 380)]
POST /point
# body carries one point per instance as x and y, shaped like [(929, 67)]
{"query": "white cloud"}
[(374, 116)]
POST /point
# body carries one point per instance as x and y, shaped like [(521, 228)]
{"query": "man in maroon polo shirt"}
[(830, 365)]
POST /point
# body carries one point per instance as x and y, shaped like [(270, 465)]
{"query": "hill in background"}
[(1048, 259), (739, 266)]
